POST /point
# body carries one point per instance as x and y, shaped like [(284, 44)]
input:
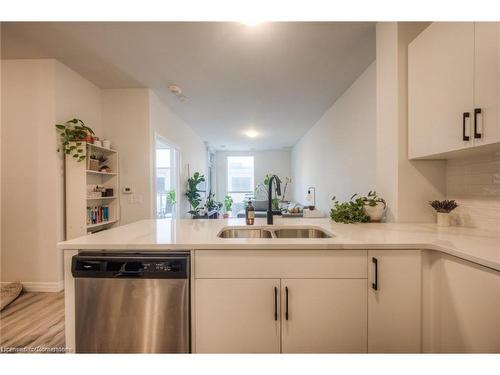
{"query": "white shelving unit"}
[(78, 176)]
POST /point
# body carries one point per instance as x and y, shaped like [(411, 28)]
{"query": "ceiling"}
[(277, 79)]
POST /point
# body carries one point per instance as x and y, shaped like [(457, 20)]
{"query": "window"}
[(240, 179), (166, 177)]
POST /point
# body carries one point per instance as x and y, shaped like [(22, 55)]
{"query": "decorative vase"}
[(375, 212), (443, 219)]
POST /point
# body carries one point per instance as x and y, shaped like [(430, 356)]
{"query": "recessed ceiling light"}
[(251, 22), (251, 133)]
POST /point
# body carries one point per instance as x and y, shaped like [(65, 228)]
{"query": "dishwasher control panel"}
[(162, 266), (136, 265)]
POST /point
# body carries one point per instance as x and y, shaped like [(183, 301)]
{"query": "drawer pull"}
[(477, 111), (466, 115), (375, 284), (275, 303), (286, 302)]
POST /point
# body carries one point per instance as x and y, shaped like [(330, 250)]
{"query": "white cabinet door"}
[(324, 315), (237, 316), (487, 83), (467, 314), (394, 301), (440, 89)]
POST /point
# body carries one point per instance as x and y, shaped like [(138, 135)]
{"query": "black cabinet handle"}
[(286, 302), (375, 284), (466, 115), (275, 303), (477, 111)]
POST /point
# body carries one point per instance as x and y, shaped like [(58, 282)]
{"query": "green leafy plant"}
[(372, 199), (350, 211), (171, 197), (275, 204), (193, 194), (445, 206), (212, 204), (228, 203), (261, 192), (72, 135)]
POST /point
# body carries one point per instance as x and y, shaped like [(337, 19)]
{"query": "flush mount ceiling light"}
[(251, 133), (177, 91), (251, 22)]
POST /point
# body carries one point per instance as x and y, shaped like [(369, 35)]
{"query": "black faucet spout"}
[(270, 211)]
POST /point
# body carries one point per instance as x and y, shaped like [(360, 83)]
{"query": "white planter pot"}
[(443, 219), (376, 212)]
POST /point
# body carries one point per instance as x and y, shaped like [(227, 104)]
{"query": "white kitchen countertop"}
[(475, 245)]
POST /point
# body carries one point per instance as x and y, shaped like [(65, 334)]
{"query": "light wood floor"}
[(33, 320)]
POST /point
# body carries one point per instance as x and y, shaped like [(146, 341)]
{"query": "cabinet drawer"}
[(280, 264)]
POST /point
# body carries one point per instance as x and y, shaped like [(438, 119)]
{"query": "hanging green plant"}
[(72, 135)]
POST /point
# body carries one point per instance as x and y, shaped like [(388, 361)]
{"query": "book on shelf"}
[(97, 214)]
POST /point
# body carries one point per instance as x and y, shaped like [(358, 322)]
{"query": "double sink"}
[(274, 232)]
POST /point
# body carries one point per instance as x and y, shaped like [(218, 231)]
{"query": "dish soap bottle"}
[(250, 213)]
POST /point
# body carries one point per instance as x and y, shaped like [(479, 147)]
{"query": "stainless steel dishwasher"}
[(132, 302)]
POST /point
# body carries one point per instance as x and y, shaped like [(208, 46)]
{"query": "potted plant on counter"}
[(443, 209), (374, 206), (213, 206), (228, 206), (349, 212), (193, 194)]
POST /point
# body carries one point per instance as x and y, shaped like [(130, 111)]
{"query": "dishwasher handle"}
[(128, 274)]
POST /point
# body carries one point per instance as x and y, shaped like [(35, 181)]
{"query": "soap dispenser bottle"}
[(250, 213)]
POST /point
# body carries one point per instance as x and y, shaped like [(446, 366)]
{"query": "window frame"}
[(252, 191)]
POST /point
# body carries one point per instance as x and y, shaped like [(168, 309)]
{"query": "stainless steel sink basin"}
[(245, 233), (300, 233), (274, 232)]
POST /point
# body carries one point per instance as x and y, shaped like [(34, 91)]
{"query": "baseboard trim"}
[(33, 286)]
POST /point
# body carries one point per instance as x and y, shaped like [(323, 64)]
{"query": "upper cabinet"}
[(453, 88), (487, 82), (440, 89)]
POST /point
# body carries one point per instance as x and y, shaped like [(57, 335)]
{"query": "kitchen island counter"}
[(475, 245)]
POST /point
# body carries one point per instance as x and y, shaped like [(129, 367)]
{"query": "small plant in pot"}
[(213, 205), (374, 206), (349, 212), (72, 135), (228, 206), (443, 209), (193, 194)]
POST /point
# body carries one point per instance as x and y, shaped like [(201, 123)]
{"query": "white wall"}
[(36, 95), (406, 185), (125, 115), (265, 162), (337, 155), (131, 118), (191, 147)]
